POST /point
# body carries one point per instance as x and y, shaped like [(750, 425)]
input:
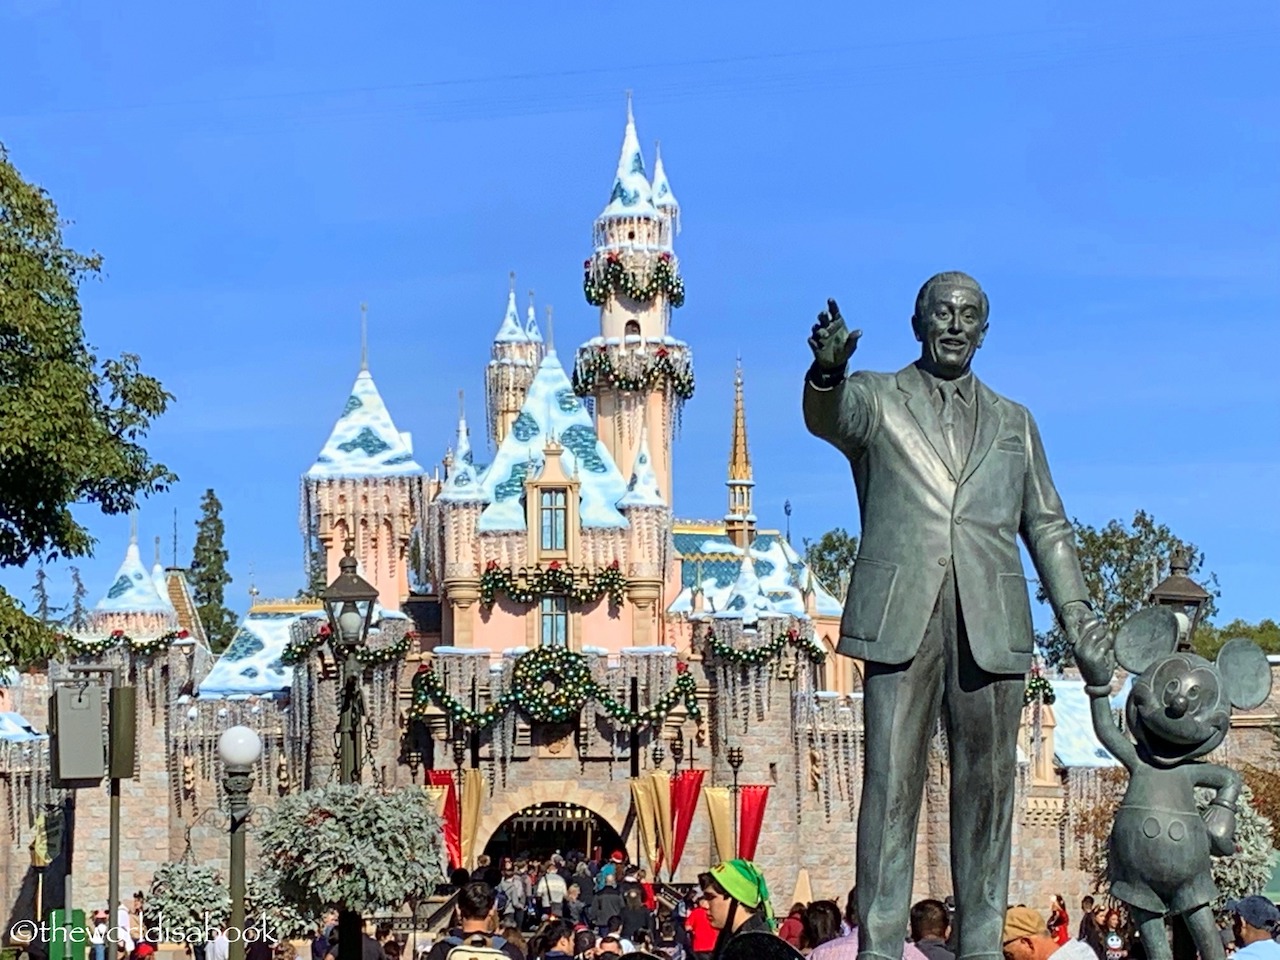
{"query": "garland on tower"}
[(139, 647), (765, 652), (594, 365), (550, 685), (530, 585), (617, 279)]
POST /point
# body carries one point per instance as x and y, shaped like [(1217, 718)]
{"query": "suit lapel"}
[(921, 406), (988, 427)]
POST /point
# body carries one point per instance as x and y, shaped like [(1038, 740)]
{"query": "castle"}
[(551, 637)]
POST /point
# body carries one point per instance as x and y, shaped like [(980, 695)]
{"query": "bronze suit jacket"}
[(921, 514)]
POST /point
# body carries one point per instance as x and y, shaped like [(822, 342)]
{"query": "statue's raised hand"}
[(1095, 654), (831, 342)]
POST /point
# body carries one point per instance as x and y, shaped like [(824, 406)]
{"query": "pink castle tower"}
[(364, 485)]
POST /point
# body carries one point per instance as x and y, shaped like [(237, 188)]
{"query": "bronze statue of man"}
[(948, 475)]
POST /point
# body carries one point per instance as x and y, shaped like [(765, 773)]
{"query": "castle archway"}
[(562, 815)]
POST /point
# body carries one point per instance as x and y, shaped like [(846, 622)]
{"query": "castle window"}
[(552, 512), (633, 328), (555, 621)]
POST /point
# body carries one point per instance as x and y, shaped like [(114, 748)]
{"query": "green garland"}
[(531, 585), (141, 648), (594, 365), (551, 685), (617, 279), (766, 651), (1038, 688), (296, 652)]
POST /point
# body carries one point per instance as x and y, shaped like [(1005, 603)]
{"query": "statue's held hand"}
[(1095, 654), (1221, 825), (831, 342)]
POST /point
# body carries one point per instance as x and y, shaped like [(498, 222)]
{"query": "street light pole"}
[(239, 747), (349, 602), (735, 762)]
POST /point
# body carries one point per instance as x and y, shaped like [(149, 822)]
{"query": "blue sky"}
[(252, 172)]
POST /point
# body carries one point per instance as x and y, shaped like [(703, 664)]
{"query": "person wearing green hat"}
[(737, 899)]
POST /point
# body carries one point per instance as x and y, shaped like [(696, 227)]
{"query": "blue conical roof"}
[(531, 323), (462, 484), (747, 600), (133, 590), (642, 489), (632, 196), (512, 330), (365, 441)]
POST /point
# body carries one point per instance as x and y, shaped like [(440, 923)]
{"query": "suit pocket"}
[(1016, 605), (1011, 445), (869, 593)]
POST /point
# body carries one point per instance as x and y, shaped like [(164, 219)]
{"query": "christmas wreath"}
[(617, 279), (765, 652), (1038, 689), (594, 365), (550, 685), (530, 585)]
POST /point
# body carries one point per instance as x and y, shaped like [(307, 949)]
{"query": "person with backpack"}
[(474, 938), (550, 891)]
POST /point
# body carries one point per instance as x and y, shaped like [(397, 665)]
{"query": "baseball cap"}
[(1022, 922), (1256, 911)]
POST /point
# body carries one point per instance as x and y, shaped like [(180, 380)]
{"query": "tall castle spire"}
[(740, 521), (633, 276), (663, 197), (517, 350)]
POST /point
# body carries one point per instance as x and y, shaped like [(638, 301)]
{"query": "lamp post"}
[(459, 757), (735, 763), (1183, 595), (349, 602), (658, 752), (239, 748)]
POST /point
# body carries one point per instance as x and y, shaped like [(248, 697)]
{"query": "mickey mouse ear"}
[(1246, 673), (1146, 637)]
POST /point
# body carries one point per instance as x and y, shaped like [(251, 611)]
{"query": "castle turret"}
[(740, 521), (663, 197), (638, 373), (649, 521), (517, 350), (133, 604), (365, 485)]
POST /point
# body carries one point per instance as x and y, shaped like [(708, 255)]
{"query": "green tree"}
[(317, 573), (71, 426), (44, 610), (1121, 563), (1209, 638), (77, 617), (831, 557), (209, 577)]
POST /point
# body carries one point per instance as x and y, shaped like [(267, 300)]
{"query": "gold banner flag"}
[(719, 810), (472, 794), (642, 797), (437, 797), (660, 784)]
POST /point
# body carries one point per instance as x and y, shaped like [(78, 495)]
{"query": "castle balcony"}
[(634, 363)]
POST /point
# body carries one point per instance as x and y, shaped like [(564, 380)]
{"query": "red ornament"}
[(614, 565), (662, 352), (491, 565), (553, 565), (325, 630), (665, 257), (117, 634), (182, 634), (423, 668), (681, 667), (586, 264)]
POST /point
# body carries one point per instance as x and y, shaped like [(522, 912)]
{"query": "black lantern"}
[(1183, 595), (349, 601)]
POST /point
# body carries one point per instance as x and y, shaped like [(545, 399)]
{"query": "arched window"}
[(633, 328)]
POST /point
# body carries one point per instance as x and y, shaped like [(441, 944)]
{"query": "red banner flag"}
[(685, 787), (452, 815), (751, 801)]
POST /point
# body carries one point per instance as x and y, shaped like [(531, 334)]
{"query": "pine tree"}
[(40, 593), (317, 573), (78, 618), (209, 577)]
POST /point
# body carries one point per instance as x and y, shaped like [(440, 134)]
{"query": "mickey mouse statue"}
[(1178, 710)]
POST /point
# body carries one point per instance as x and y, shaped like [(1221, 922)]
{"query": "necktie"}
[(951, 422)]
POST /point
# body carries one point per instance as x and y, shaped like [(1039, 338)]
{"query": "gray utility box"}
[(76, 725)]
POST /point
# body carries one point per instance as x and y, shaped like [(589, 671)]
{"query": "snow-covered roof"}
[(632, 196), (365, 441), (512, 330), (662, 195), (642, 488), (462, 483), (710, 554), (162, 584), (16, 728), (551, 409), (133, 590), (1074, 742), (531, 325), (747, 600), (251, 666)]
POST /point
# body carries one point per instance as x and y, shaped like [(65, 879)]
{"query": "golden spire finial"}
[(364, 336), (739, 453)]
